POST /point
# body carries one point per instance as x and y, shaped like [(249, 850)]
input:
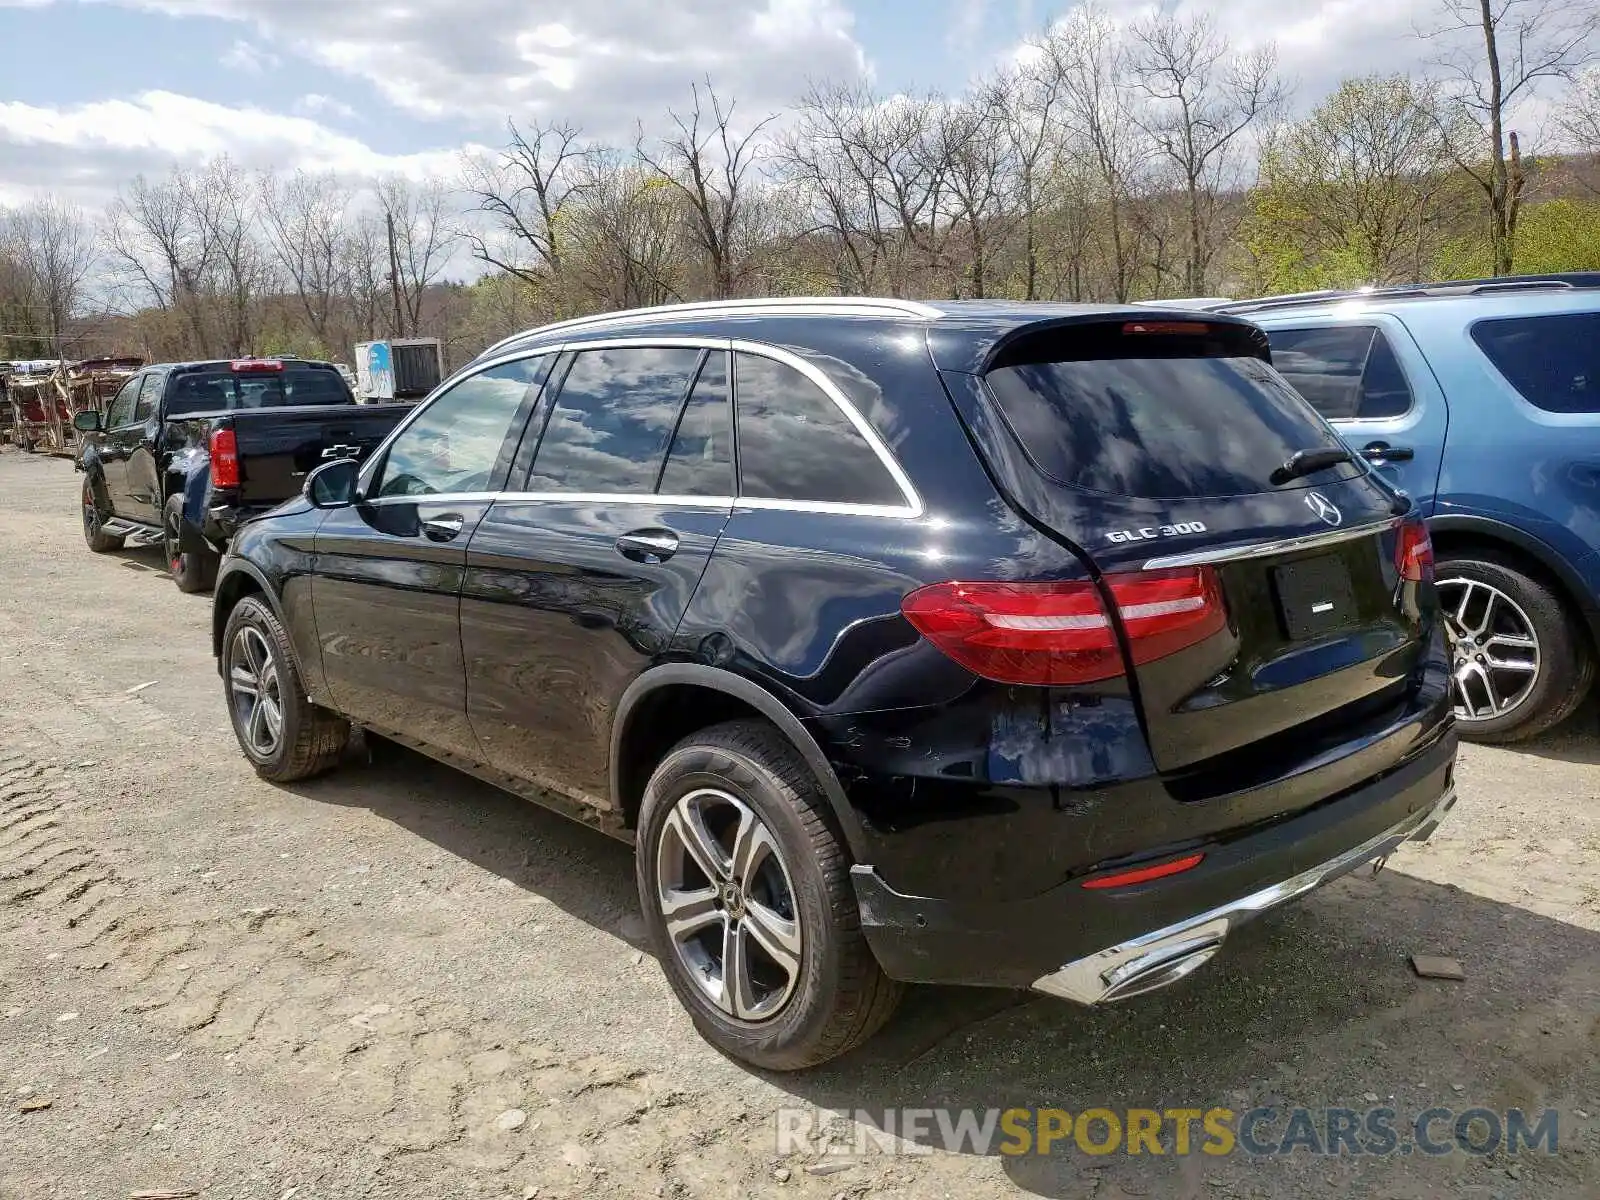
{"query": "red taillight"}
[(1051, 634), (1413, 552), (1177, 328), (1145, 874), (250, 365), (224, 459)]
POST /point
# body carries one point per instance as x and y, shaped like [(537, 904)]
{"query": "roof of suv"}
[(969, 330), (1514, 290)]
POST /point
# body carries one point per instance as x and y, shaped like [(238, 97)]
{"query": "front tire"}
[(746, 893), (190, 562), (284, 735), (1521, 662), (94, 532)]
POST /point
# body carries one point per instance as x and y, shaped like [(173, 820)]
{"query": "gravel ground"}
[(398, 982)]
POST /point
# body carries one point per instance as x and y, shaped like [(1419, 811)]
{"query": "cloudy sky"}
[(93, 91)]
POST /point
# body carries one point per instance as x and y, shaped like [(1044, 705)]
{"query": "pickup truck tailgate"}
[(279, 447)]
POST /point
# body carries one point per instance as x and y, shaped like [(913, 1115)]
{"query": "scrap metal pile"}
[(39, 399)]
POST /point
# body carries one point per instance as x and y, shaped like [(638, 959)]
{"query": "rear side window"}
[(612, 419), (1553, 361), (121, 410), (1346, 371), (1154, 416), (700, 460), (149, 394), (796, 444)]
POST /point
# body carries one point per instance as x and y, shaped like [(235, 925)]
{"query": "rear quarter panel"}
[(1507, 459)]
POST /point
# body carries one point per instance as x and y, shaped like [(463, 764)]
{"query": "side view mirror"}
[(333, 485), (87, 421)]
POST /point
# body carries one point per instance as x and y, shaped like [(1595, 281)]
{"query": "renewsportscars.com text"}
[(1215, 1131)]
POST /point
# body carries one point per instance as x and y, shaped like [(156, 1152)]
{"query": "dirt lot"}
[(341, 989)]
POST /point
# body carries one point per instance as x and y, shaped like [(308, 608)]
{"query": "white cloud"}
[(250, 58), (88, 150), (314, 104), (603, 64)]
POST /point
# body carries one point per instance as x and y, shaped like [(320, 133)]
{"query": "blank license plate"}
[(1314, 596)]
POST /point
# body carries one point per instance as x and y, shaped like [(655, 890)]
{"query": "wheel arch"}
[(669, 702), (1457, 536), (238, 580)]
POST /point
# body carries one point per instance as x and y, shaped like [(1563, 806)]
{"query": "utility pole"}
[(394, 276)]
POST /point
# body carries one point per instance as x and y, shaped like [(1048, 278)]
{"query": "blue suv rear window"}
[(1158, 417), (1552, 360)]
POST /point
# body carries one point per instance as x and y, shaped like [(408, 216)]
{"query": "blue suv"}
[(1481, 400)]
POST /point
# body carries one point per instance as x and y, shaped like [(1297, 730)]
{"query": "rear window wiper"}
[(1308, 462)]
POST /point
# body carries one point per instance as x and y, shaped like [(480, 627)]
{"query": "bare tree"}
[(975, 157), (1580, 122), (709, 163), (1030, 99), (420, 240), (1201, 99), (1496, 53), (161, 255), (306, 221), (1086, 53), (49, 243), (223, 205), (363, 269), (626, 249), (524, 191)]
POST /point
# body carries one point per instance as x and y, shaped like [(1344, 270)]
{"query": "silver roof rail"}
[(776, 306)]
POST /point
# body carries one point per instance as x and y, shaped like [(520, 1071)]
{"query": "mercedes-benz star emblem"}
[(1325, 509)]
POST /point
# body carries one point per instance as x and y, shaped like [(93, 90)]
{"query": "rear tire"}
[(284, 735), (190, 562), (94, 532), (780, 878), (1494, 609)]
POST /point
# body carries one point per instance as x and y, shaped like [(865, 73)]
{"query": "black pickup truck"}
[(187, 452)]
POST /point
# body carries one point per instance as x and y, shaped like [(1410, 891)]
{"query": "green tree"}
[(1354, 193)]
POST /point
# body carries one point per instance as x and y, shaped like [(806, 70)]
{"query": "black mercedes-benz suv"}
[(990, 643)]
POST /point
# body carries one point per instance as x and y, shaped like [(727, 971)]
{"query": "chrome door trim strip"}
[(1238, 553), (913, 506)]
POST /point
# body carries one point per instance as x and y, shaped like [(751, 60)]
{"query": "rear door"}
[(1369, 380), (1159, 447), (116, 441), (576, 581), (387, 582), (144, 447)]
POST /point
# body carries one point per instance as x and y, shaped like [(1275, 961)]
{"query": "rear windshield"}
[(1162, 417), (210, 391)]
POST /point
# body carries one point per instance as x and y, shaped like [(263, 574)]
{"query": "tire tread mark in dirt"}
[(35, 889)]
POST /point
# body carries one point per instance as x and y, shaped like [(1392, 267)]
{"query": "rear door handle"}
[(648, 545), (443, 528), (1378, 452)]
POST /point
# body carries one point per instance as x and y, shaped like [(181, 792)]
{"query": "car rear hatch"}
[(1260, 598)]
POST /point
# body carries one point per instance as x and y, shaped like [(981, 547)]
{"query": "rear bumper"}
[(1165, 956), (223, 520), (1096, 945)]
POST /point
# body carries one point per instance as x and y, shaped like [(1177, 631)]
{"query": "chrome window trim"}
[(1239, 553), (616, 498), (434, 498), (368, 468), (913, 506), (913, 502)]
